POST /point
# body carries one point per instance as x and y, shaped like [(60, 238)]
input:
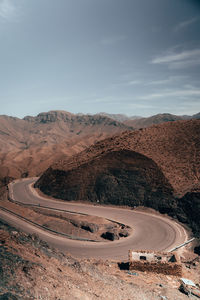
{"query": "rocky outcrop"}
[(75, 119), (110, 235)]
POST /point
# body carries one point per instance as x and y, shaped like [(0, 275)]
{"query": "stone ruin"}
[(157, 262)]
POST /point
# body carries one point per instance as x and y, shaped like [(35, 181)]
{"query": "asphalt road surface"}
[(150, 231)]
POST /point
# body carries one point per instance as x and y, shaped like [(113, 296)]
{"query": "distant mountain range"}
[(141, 122), (119, 117)]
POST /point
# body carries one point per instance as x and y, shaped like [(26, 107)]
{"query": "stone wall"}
[(157, 262), (164, 268)]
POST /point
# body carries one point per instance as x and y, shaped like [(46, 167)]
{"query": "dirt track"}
[(152, 232)]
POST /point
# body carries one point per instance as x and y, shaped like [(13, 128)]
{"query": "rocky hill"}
[(121, 177), (174, 147), (151, 167), (30, 145)]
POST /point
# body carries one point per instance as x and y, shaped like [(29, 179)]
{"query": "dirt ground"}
[(30, 269)]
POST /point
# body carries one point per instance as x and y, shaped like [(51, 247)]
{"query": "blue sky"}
[(137, 57)]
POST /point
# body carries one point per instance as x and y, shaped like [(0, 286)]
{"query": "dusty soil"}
[(30, 269)]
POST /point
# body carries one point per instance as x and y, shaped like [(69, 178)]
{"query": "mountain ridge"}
[(30, 145)]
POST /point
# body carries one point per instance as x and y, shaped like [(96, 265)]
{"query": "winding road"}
[(150, 231)]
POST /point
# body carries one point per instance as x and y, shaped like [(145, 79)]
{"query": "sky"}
[(135, 57)]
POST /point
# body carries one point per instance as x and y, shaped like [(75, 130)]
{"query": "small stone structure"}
[(157, 262), (188, 287)]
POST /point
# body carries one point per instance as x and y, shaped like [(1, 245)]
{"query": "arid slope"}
[(174, 147), (30, 145), (120, 177), (30, 269)]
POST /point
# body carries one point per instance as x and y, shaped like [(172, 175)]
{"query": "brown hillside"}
[(173, 146), (120, 177), (30, 145)]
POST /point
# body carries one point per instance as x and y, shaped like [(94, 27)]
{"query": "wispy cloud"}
[(193, 92), (129, 83), (133, 82), (7, 10), (186, 23), (178, 60), (168, 80), (177, 56), (111, 40)]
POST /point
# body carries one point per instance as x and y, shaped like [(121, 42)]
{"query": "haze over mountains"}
[(158, 119), (119, 117), (139, 122)]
